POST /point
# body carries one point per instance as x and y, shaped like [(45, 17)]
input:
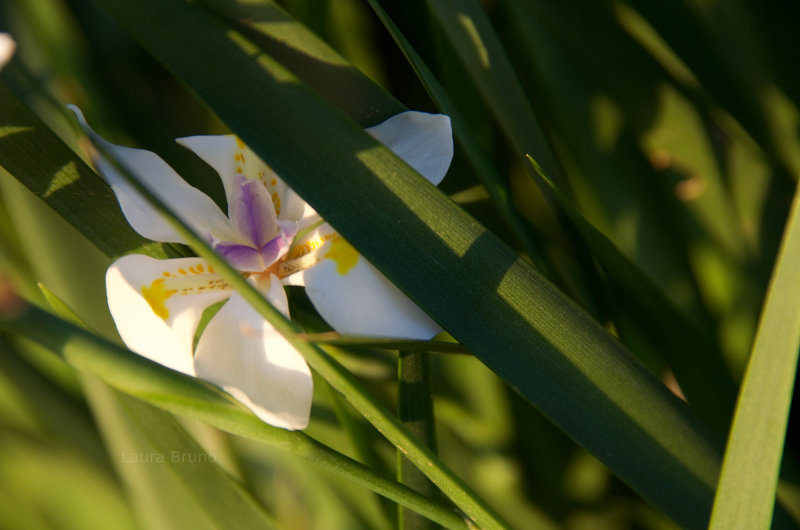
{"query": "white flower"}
[(157, 304), (7, 47)]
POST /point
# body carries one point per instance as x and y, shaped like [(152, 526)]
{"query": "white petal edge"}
[(364, 302), (219, 152), (7, 47), (242, 353), (424, 141), (168, 342), (192, 205)]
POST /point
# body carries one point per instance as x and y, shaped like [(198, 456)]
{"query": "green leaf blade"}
[(38, 159), (470, 31), (746, 493)]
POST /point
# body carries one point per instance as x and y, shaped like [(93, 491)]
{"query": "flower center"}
[(260, 239)]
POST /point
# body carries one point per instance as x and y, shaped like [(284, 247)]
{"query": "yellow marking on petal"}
[(210, 269), (239, 143), (273, 182), (156, 296), (343, 254), (306, 247), (199, 267), (276, 201), (239, 170), (167, 275), (181, 271)]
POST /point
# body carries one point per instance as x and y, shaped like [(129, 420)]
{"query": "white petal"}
[(7, 47), (156, 305), (192, 205), (356, 299), (221, 152), (294, 208), (244, 355), (230, 157), (424, 141)]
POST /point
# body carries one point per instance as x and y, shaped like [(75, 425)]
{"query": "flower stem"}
[(415, 409)]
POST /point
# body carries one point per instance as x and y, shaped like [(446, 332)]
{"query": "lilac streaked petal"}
[(278, 246), (274, 249), (241, 257), (252, 213), (289, 230)]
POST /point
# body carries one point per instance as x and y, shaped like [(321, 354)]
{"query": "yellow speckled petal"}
[(157, 304), (356, 299), (343, 254), (307, 250)]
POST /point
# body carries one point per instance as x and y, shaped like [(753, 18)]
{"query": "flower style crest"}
[(273, 238)]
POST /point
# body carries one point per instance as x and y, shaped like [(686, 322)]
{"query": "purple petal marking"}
[(289, 229), (279, 245), (241, 257), (252, 213)]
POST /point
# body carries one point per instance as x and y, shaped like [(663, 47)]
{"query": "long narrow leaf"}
[(190, 397), (469, 30), (491, 179), (690, 352), (33, 155), (308, 57), (746, 492), (219, 496)]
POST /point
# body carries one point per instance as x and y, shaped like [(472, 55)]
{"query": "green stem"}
[(360, 444), (415, 409)]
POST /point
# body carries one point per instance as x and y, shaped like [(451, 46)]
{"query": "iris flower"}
[(274, 239), (7, 47)]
